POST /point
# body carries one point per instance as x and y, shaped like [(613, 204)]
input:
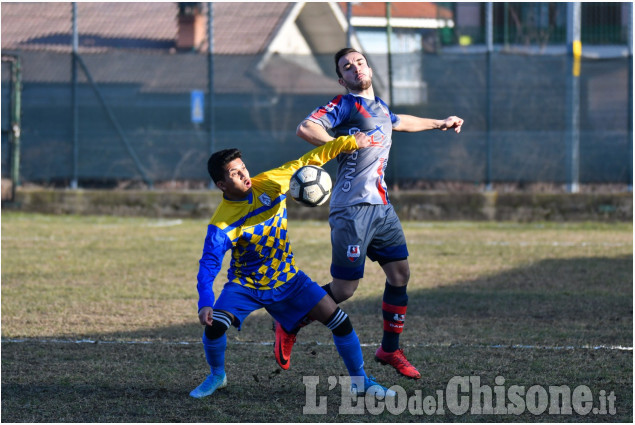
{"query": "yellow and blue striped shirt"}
[(255, 229)]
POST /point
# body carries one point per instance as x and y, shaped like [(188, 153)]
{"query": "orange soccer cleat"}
[(398, 361), (282, 346)]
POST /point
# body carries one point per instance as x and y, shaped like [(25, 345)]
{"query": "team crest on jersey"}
[(330, 106), (265, 199), (377, 135), (352, 252)]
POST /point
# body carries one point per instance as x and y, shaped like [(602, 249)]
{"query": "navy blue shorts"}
[(288, 304)]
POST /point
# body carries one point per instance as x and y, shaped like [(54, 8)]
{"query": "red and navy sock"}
[(393, 308)]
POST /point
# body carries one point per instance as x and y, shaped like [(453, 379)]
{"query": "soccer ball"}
[(310, 185)]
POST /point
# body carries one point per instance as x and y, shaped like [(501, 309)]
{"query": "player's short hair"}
[(217, 162), (342, 52)]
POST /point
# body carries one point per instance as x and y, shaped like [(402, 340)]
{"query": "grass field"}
[(99, 321)]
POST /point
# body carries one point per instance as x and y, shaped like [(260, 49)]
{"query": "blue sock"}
[(215, 353), (351, 352)]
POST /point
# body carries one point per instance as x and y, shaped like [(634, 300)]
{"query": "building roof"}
[(402, 14), (286, 47), (238, 28), (413, 10)]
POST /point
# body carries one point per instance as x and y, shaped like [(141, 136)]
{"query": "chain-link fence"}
[(136, 114)]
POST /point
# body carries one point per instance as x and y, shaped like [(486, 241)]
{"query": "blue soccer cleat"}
[(373, 388), (209, 385)]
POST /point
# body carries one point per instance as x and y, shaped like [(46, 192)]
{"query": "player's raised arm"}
[(313, 133)]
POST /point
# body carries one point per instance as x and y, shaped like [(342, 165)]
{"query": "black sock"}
[(394, 307)]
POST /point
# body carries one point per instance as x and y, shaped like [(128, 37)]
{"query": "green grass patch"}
[(556, 287)]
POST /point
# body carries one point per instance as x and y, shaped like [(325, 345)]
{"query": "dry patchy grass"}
[(474, 286)]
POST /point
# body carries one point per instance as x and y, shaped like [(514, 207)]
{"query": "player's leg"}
[(231, 308), (338, 290), (394, 307), (214, 345), (348, 346), (390, 250), (347, 268), (341, 289), (394, 303), (352, 229)]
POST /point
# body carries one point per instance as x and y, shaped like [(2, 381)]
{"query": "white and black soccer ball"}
[(310, 185)]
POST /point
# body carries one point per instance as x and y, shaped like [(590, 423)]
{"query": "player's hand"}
[(452, 122), (362, 139), (205, 316)]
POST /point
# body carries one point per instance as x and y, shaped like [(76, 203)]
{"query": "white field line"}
[(421, 345)]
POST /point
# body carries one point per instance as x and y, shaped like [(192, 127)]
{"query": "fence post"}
[(630, 91), (74, 105), (574, 53), (489, 40), (210, 79), (388, 44), (349, 27)]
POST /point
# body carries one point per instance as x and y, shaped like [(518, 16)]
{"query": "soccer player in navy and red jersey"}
[(251, 223), (363, 222)]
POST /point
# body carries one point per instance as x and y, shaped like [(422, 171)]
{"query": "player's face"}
[(236, 184), (356, 75)]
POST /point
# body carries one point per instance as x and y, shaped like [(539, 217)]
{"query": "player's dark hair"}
[(342, 52), (217, 162)]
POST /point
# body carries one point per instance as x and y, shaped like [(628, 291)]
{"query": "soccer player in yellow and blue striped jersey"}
[(251, 223)]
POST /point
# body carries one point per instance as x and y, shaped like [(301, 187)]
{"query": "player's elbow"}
[(301, 130), (312, 133)]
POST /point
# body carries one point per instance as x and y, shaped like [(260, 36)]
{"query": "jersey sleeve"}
[(393, 118), (332, 114), (318, 156), (216, 244)]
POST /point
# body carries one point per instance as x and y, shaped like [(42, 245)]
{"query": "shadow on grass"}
[(580, 301), (575, 301), (569, 302)]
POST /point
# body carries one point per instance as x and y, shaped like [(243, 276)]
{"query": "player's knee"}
[(347, 293), (339, 323), (402, 278), (222, 322), (397, 273), (343, 289), (216, 330)]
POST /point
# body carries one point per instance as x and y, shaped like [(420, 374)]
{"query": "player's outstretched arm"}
[(410, 123), (313, 133)]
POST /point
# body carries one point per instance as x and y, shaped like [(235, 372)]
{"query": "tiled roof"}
[(399, 10), (111, 35), (245, 28), (48, 26), (239, 28)]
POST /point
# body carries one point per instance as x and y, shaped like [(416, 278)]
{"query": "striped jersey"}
[(254, 229), (360, 175)]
